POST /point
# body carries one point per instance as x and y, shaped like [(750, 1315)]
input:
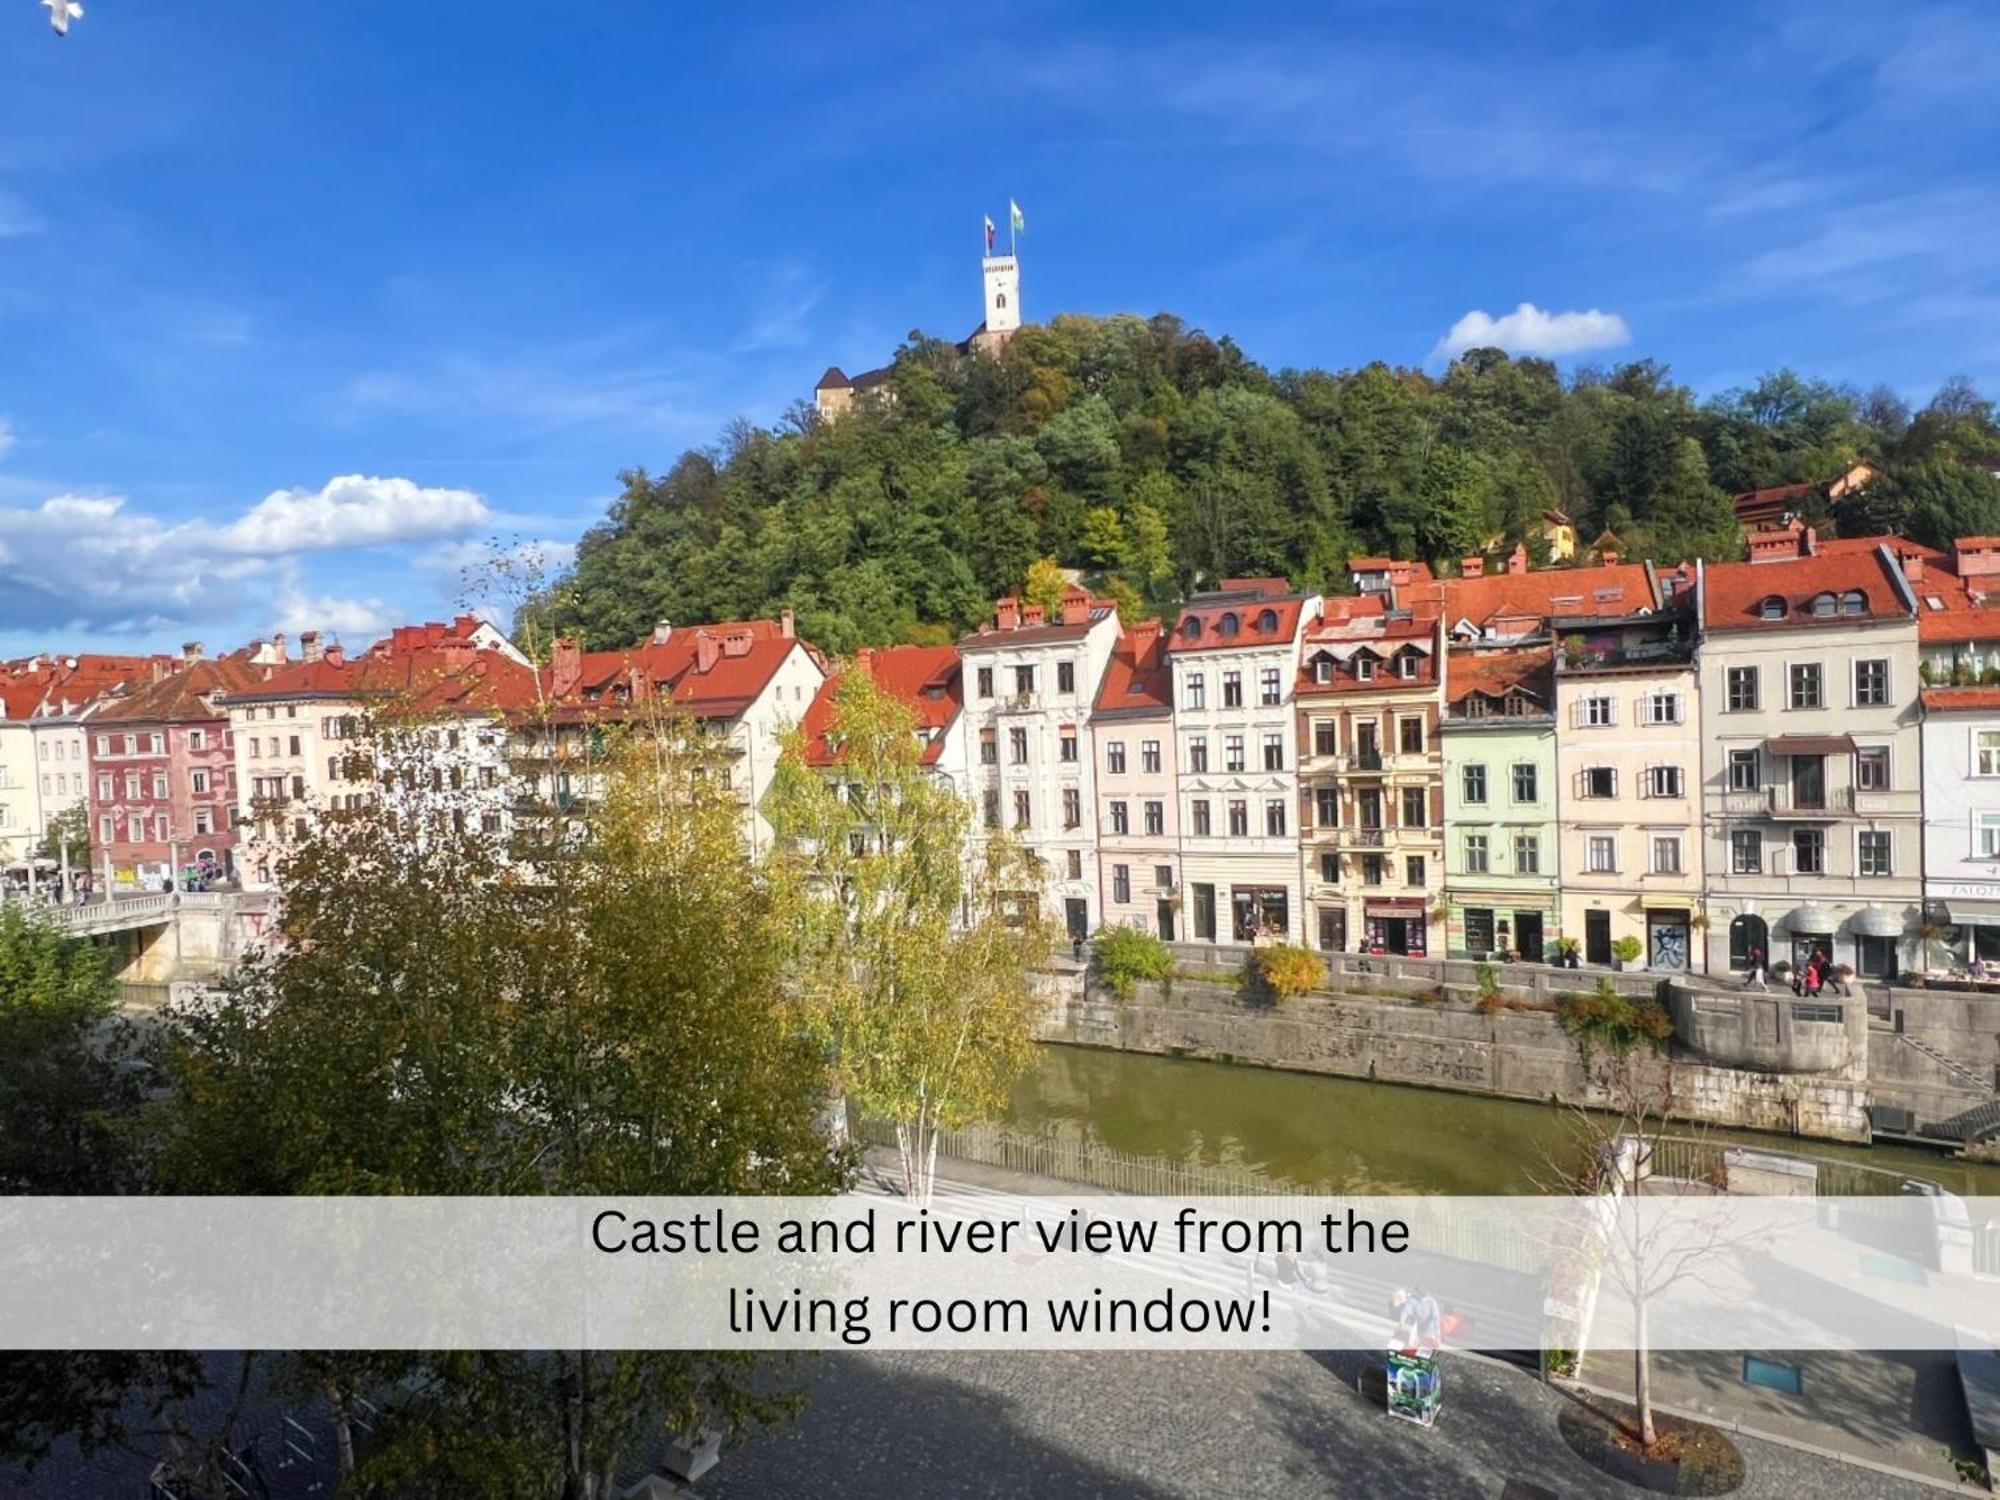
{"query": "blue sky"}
[(301, 302)]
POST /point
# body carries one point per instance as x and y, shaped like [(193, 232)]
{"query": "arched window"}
[(1746, 933), (1854, 602), (1267, 622), (999, 299), (1772, 608), (1228, 624), (1823, 605), (1191, 627)]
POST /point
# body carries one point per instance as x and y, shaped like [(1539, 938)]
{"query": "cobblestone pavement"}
[(1215, 1426)]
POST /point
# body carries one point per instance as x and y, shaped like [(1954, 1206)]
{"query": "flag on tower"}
[(1016, 222), (991, 234)]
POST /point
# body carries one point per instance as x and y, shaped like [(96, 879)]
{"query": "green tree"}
[(913, 964), (1045, 584)]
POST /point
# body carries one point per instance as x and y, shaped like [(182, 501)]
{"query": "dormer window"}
[(1267, 622), (1364, 668), (1407, 663), (1772, 608), (1191, 627), (1823, 606), (1322, 668), (1854, 602), (1228, 625)]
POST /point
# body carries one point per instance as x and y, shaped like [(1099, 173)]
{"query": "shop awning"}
[(1813, 919), (1874, 921), (1809, 744)]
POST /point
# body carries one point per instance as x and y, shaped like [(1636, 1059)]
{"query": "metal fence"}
[(1082, 1161), (1692, 1159)]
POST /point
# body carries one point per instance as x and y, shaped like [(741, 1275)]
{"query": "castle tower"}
[(1003, 296)]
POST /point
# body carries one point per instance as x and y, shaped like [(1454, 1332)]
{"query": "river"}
[(1350, 1135)]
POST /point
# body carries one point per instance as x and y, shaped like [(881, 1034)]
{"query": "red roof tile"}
[(1962, 699), (189, 694), (1604, 589), (714, 671), (926, 679), (1492, 673), (1137, 679), (1236, 621), (1734, 594)]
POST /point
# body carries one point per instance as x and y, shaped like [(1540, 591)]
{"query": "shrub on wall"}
[(1128, 955), (1488, 980), (1609, 1017), (1290, 970)]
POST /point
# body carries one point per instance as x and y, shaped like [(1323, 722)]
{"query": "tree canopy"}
[(1155, 457)]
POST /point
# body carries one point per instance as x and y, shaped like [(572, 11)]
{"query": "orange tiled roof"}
[(189, 694), (741, 655), (1606, 589), (1734, 593), (1962, 699), (1258, 619), (1137, 679), (926, 679), (1492, 673)]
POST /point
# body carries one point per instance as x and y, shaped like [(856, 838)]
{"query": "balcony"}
[(1362, 761)]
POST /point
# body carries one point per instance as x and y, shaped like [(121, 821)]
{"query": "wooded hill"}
[(1155, 457)]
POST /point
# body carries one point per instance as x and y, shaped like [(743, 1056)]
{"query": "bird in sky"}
[(61, 13)]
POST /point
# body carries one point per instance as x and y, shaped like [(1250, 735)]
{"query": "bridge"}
[(167, 935)]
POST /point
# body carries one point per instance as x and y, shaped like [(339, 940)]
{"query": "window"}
[(1329, 868), (204, 820), (1987, 742), (1274, 752), (1239, 818), (1023, 809), (1121, 818), (1163, 877), (1326, 806), (104, 786), (1204, 912), (1408, 663), (1121, 883), (1322, 668), (104, 744), (1743, 770), (256, 747), (198, 781), (1232, 752), (1527, 854), (1024, 681), (1416, 807), (1198, 753), (1601, 854), (1808, 851), (1599, 712), (160, 786), (1270, 689), (1364, 667), (104, 829), (1742, 689), (1410, 736), (1072, 807), (1017, 745), (197, 739), (1197, 690), (1871, 683), (986, 682), (1274, 817), (1325, 743), (1232, 689), (1371, 869), (1877, 853), (1156, 818), (1600, 781), (1475, 854), (1479, 929), (1474, 778), (1526, 783), (1199, 811), (1772, 608), (1114, 757), (1065, 676), (1073, 863), (1805, 685), (989, 747), (156, 744), (1871, 769), (1989, 836), (1663, 781), (1066, 745), (1746, 851), (1666, 854), (1663, 708), (1149, 757), (1413, 870)]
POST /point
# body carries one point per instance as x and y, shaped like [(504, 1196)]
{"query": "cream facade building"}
[(1812, 779), (1234, 657)]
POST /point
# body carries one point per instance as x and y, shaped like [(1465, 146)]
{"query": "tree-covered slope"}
[(1156, 457)]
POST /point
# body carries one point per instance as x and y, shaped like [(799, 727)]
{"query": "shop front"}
[(1504, 925), (1397, 925), (1669, 938), (1965, 916)]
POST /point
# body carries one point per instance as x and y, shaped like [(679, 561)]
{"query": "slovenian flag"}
[(990, 233), (1016, 221)]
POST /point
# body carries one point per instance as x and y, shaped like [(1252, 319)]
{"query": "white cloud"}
[(7, 436), (357, 622), (353, 511), (1529, 329), (92, 562)]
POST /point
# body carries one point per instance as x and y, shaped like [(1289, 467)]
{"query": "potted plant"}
[(1626, 951), (1568, 952)]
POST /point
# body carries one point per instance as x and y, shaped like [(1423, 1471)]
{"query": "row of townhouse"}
[(1795, 753)]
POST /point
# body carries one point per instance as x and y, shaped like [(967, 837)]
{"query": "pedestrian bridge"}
[(162, 936), (123, 913)]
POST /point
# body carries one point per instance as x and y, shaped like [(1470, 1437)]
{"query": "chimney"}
[(191, 652), (707, 649), (663, 631), (865, 659), (787, 623), (1913, 566), (1007, 613), (309, 647), (1609, 557), (565, 667), (334, 655), (278, 646), (1809, 542), (1472, 567), (1517, 560), (1031, 614), (1076, 606)]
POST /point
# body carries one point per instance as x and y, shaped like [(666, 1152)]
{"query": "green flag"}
[(1015, 219)]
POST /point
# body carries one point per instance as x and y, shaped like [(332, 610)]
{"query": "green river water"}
[(1350, 1135)]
